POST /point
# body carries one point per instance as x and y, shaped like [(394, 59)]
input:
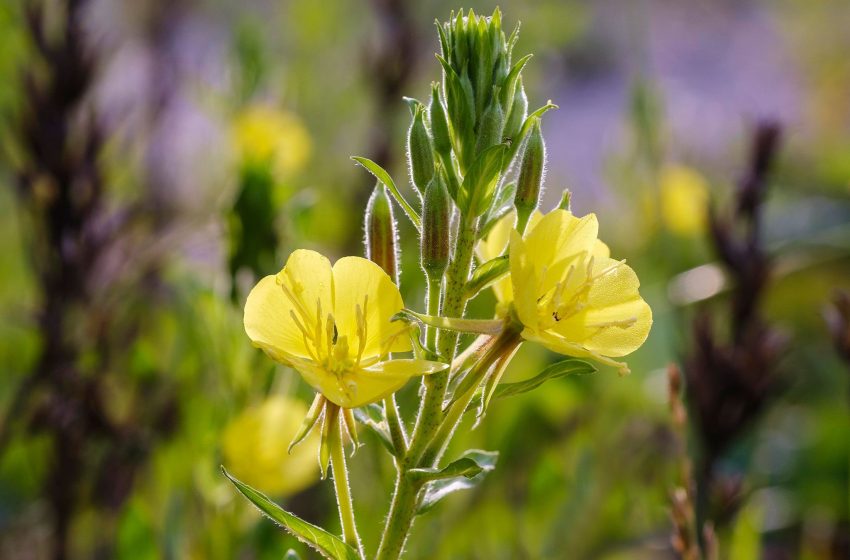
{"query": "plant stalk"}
[(343, 491)]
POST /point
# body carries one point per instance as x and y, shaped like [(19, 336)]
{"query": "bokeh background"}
[(158, 157)]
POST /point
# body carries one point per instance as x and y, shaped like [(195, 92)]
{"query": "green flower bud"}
[(381, 236), (530, 178), (518, 112), (490, 131), (439, 124), (436, 215), (420, 155)]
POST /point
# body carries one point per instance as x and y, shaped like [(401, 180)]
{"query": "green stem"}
[(434, 285), (453, 305), (403, 507), (343, 492), (399, 438), (400, 519), (500, 351)]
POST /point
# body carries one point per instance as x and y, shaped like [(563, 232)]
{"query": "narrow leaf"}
[(570, 366), (473, 326), (486, 274), (439, 489), (381, 174), (327, 544), (466, 467)]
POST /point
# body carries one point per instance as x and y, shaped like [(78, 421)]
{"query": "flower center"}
[(322, 339)]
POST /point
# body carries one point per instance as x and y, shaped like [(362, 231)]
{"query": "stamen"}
[(296, 303), (329, 331), (361, 332), (303, 334)]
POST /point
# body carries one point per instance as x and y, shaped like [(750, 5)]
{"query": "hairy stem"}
[(343, 491), (454, 304)]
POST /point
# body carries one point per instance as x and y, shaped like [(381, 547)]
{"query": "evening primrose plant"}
[(476, 160)]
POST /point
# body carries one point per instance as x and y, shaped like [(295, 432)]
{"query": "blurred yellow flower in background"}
[(571, 297), (684, 200), (255, 447), (333, 325), (265, 135)]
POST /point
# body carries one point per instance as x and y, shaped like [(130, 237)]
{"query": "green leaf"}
[(465, 466), (479, 183), (511, 81), (486, 274), (473, 326), (372, 417), (526, 128), (570, 366), (439, 489), (328, 545), (381, 174)]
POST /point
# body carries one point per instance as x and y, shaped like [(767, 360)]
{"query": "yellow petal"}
[(307, 275), (524, 280), (616, 320), (560, 235), (496, 243), (268, 322), (566, 347), (361, 283), (601, 250), (382, 379)]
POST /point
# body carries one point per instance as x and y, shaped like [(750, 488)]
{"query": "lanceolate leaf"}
[(486, 274), (570, 366), (439, 489), (381, 174), (465, 466), (479, 183), (328, 545)]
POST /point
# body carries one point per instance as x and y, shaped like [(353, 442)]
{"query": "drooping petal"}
[(566, 347), (269, 324), (384, 378), (360, 283)]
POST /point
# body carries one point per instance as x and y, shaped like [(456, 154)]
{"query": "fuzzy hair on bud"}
[(382, 232), (531, 172), (420, 155), (436, 215)]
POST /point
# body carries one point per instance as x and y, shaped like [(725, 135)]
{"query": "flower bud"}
[(434, 248), (530, 177), (490, 130), (518, 110), (381, 232), (419, 153), (439, 124)]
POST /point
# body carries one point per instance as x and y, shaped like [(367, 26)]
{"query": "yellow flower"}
[(494, 245), (570, 296), (332, 324), (684, 200), (265, 135), (255, 447)]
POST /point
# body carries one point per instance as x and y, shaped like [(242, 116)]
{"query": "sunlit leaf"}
[(328, 545), (381, 174), (439, 489)]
